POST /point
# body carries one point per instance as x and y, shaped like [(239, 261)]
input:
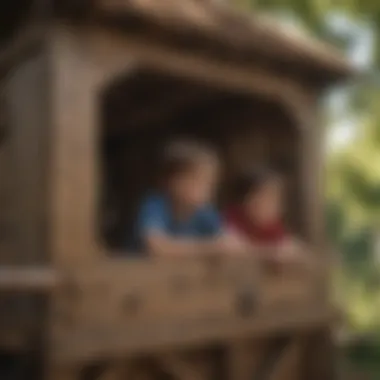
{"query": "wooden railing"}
[(28, 279)]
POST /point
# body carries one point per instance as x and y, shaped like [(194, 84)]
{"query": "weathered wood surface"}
[(24, 198), (108, 309), (111, 309), (244, 357), (24, 182), (229, 32), (29, 280)]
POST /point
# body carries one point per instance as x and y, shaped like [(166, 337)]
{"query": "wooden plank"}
[(311, 141), (192, 300), (13, 279), (179, 368), (196, 365), (26, 220), (96, 342), (27, 103), (178, 331), (320, 354), (115, 371), (124, 289), (62, 373), (73, 174), (245, 357), (287, 366), (112, 53), (74, 163), (210, 21), (28, 40), (8, 198)]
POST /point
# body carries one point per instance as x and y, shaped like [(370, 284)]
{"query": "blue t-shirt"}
[(155, 214)]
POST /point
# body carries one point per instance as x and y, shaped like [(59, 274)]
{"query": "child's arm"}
[(293, 245), (152, 228), (291, 250), (236, 243), (160, 244)]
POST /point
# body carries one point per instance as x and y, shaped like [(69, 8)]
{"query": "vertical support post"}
[(27, 105), (24, 220), (244, 358), (74, 145), (311, 170), (287, 366), (77, 74), (320, 356), (73, 176)]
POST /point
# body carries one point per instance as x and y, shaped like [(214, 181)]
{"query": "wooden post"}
[(24, 207), (27, 106), (75, 85), (73, 176), (311, 172), (244, 358), (287, 366), (319, 353), (74, 143), (320, 356)]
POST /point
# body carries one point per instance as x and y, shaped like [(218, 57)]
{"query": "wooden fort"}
[(90, 92)]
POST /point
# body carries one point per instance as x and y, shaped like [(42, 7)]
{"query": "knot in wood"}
[(246, 302)]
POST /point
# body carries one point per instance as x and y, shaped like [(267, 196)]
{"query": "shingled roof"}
[(219, 29)]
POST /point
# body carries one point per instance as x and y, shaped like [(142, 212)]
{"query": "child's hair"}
[(184, 155), (251, 181)]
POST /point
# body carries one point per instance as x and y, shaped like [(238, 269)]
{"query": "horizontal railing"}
[(28, 279)]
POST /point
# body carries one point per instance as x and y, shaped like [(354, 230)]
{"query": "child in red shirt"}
[(257, 215)]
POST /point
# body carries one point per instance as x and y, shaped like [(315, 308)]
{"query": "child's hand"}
[(233, 244), (289, 251)]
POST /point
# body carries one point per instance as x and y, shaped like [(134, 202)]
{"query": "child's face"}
[(196, 186), (266, 204)]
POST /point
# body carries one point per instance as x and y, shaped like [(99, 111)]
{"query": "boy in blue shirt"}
[(179, 219)]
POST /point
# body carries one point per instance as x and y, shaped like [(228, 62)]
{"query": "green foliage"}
[(313, 14)]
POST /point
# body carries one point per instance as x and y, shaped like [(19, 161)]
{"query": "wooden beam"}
[(110, 51), (62, 373), (182, 368), (27, 96), (114, 371), (287, 366), (311, 140), (320, 355), (244, 358), (73, 165), (28, 279), (26, 41), (274, 351), (163, 108)]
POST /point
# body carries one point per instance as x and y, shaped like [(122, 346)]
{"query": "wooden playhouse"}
[(90, 91)]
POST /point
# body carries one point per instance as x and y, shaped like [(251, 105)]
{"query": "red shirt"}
[(273, 233)]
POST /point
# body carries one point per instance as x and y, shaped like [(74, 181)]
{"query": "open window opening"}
[(141, 112)]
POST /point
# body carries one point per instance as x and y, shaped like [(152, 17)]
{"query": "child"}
[(257, 215), (179, 219)]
